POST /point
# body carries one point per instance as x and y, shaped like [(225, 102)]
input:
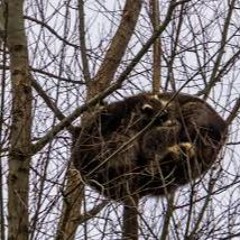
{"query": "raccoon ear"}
[(147, 109)]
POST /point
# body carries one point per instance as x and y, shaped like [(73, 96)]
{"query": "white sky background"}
[(102, 18)]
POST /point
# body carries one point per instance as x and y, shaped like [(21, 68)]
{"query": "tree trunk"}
[(20, 138), (130, 218)]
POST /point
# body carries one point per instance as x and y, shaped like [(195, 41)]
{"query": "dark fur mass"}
[(148, 144)]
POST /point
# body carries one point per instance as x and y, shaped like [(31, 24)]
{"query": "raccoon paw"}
[(185, 149)]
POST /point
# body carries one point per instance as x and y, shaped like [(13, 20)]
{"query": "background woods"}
[(59, 59)]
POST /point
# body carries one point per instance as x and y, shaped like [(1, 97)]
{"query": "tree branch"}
[(117, 48), (82, 34), (234, 112), (155, 19), (221, 52), (51, 104)]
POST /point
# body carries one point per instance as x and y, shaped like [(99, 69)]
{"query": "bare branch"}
[(50, 104), (150, 41), (67, 225), (234, 112), (51, 30), (221, 51), (155, 19), (168, 215), (90, 214), (117, 48), (82, 33)]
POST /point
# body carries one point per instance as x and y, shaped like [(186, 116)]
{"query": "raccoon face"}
[(157, 111)]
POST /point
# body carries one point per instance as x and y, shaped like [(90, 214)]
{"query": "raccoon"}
[(148, 144)]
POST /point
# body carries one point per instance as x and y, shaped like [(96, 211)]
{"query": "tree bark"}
[(20, 138), (130, 218), (155, 19), (117, 48), (71, 206)]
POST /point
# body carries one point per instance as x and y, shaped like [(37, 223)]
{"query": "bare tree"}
[(21, 124), (59, 61)]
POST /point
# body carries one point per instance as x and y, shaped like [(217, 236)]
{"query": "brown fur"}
[(149, 144)]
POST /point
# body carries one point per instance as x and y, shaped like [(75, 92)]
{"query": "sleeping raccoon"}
[(148, 144)]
